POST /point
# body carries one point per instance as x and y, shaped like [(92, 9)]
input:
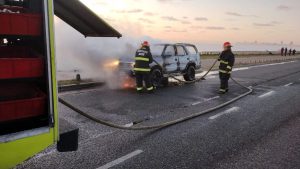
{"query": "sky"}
[(204, 21), (253, 25)]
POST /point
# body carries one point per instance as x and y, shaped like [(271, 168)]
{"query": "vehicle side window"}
[(170, 51), (192, 50), (180, 51)]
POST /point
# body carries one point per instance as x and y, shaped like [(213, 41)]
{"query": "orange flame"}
[(128, 82)]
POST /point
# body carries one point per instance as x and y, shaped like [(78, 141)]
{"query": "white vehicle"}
[(177, 59)]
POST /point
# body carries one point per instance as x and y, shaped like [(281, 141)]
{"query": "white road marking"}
[(240, 68), (211, 77), (270, 93), (120, 160), (212, 73), (205, 100), (288, 84), (272, 64), (231, 110), (128, 125)]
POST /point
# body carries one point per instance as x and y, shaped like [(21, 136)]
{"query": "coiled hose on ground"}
[(165, 124)]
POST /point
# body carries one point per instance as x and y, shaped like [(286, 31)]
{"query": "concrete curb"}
[(72, 87)]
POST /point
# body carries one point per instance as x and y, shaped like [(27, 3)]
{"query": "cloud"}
[(196, 27), (130, 11), (235, 29), (275, 22), (239, 14), (233, 14), (283, 7), (176, 31), (145, 20), (263, 24), (169, 18), (180, 31), (149, 14), (201, 19), (186, 22), (267, 24), (215, 28)]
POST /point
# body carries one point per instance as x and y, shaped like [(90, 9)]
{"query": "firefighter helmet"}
[(227, 44), (145, 43)]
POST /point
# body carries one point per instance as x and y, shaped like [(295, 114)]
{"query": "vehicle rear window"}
[(192, 50)]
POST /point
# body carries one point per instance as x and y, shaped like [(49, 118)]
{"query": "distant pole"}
[(78, 77)]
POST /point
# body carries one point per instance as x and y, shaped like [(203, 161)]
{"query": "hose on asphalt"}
[(165, 124)]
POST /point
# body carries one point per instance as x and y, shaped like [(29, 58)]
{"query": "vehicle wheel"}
[(190, 74), (156, 77)]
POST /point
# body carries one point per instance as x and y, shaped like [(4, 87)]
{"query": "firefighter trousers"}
[(141, 78), (224, 78)]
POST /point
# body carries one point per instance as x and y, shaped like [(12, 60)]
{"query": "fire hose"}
[(165, 124)]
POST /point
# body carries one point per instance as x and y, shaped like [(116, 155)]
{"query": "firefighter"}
[(285, 51), (290, 52), (226, 59), (143, 58), (294, 52), (282, 51)]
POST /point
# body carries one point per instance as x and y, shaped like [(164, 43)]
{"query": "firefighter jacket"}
[(226, 59), (143, 58)]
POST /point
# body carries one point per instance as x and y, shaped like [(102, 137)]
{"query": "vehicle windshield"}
[(157, 50)]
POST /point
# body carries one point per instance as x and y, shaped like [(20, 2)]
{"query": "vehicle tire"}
[(157, 78), (190, 74)]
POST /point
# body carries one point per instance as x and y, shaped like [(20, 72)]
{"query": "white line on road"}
[(288, 84), (240, 68), (205, 100), (120, 160), (231, 110), (128, 125), (272, 64), (270, 93), (265, 65)]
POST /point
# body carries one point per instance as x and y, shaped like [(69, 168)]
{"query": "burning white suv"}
[(176, 59)]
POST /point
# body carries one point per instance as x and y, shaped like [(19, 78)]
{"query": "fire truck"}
[(29, 120)]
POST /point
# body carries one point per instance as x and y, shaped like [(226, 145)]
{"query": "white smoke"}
[(75, 52)]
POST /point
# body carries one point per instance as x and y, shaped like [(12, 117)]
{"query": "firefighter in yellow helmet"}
[(226, 59), (143, 59)]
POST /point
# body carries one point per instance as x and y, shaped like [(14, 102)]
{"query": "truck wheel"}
[(190, 74), (156, 77)]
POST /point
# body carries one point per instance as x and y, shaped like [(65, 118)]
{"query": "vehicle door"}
[(171, 62), (183, 57)]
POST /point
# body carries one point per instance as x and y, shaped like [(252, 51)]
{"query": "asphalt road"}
[(261, 130)]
